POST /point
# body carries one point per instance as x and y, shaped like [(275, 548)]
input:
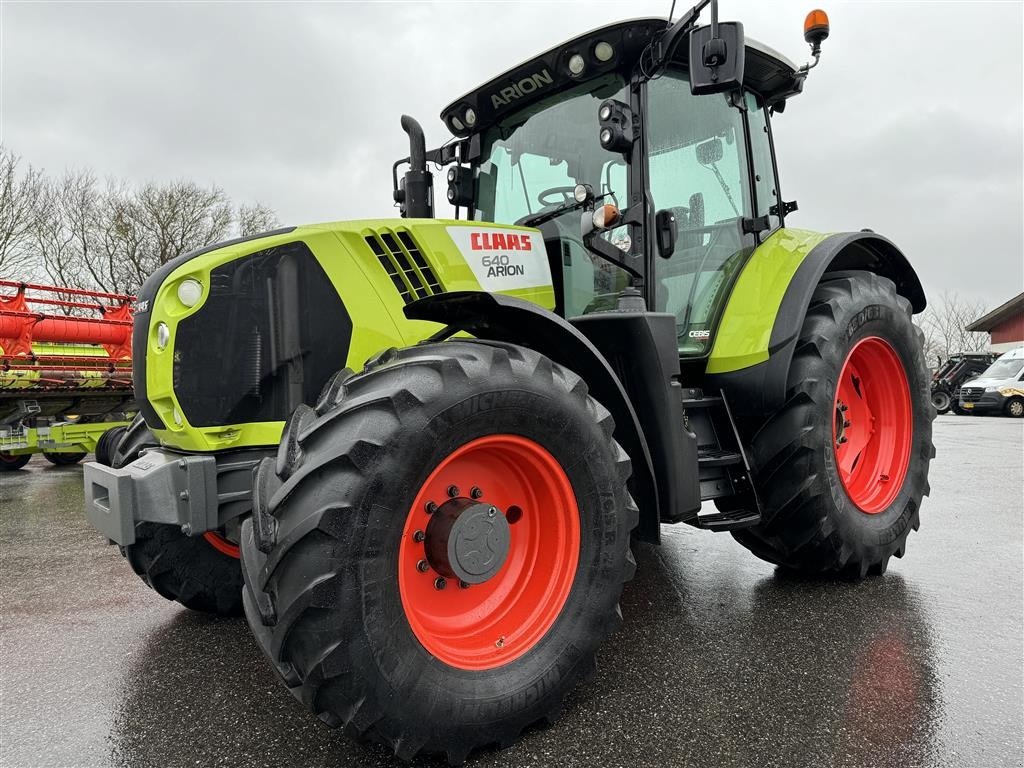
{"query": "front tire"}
[(843, 465), (106, 444), (1014, 407), (377, 610), (200, 572)]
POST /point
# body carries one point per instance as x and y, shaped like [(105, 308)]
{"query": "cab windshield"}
[(531, 163)]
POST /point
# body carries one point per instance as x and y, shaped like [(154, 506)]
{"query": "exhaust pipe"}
[(415, 194)]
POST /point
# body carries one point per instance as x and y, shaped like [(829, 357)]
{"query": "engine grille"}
[(403, 260), (971, 394), (271, 332)]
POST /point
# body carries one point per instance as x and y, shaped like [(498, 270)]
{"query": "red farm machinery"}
[(65, 371)]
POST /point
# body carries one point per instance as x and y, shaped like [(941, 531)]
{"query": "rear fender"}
[(761, 324), (515, 321)]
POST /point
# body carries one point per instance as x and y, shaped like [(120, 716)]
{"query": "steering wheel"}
[(565, 192)]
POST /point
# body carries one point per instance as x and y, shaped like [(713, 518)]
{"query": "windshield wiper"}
[(544, 216)]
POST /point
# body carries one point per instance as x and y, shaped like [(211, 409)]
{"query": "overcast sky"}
[(911, 125)]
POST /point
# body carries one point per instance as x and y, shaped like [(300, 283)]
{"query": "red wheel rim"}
[(8, 458), (222, 545), (873, 425), (492, 623)]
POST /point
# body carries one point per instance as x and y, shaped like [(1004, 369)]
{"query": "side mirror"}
[(665, 232), (716, 61)]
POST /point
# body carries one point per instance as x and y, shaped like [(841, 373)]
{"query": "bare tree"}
[(142, 229), (255, 218), (112, 237), (64, 235), (944, 324), (19, 202)]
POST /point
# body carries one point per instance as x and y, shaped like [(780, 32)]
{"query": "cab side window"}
[(765, 187)]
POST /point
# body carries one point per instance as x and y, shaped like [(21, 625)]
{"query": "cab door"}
[(699, 166)]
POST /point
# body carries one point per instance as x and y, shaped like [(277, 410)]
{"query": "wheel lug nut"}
[(422, 566), (431, 507), (475, 493), (463, 584), (453, 491), (492, 512), (440, 582), (419, 536), (845, 423)]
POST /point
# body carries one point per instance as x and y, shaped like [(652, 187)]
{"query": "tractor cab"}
[(633, 179)]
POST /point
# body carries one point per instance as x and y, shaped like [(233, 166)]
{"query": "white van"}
[(1000, 389)]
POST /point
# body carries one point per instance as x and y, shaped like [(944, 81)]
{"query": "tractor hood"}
[(229, 339)]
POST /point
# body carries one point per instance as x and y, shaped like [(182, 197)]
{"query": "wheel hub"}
[(515, 568), (467, 540)]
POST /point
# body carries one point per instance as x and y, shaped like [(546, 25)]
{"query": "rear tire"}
[(11, 463), (200, 572), (820, 514), (342, 589), (63, 459), (1014, 407)]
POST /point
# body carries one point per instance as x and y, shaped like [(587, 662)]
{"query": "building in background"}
[(1004, 324)]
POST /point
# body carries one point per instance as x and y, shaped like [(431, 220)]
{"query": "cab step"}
[(700, 401), (723, 468), (717, 520), (716, 457)]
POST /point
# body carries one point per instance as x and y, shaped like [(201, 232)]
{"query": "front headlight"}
[(190, 291)]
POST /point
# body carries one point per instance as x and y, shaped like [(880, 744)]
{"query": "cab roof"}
[(766, 72)]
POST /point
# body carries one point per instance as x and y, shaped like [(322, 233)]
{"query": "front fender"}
[(515, 321)]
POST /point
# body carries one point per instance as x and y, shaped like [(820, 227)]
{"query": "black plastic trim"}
[(642, 350)]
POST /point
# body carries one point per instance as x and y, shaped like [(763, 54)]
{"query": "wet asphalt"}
[(721, 660)]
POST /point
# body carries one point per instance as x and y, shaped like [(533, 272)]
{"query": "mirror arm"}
[(605, 250), (665, 48)]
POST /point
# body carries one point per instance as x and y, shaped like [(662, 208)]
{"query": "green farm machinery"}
[(415, 452)]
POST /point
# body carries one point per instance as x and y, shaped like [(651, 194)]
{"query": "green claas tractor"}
[(415, 452)]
